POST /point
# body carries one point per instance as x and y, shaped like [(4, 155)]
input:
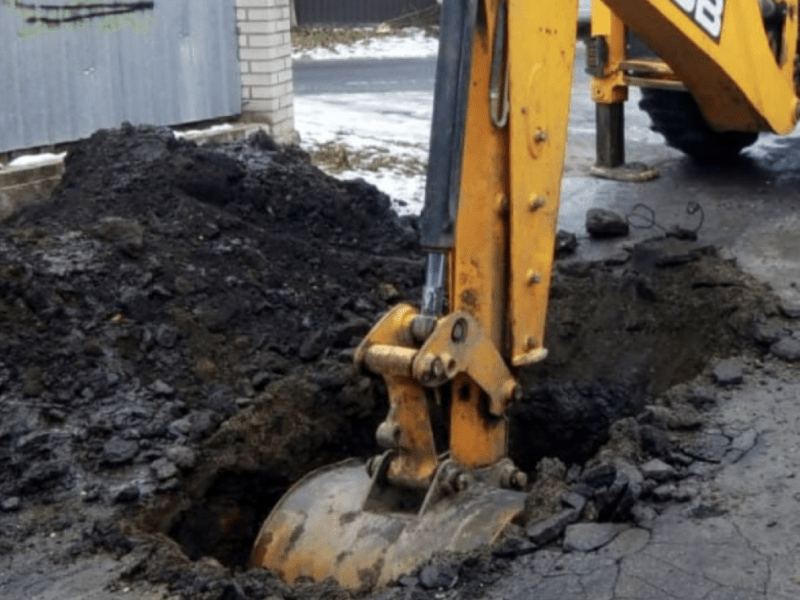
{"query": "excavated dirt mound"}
[(178, 325)]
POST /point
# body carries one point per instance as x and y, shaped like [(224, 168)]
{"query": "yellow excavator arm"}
[(498, 140)]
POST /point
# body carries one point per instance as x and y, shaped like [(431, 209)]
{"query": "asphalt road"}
[(358, 75)]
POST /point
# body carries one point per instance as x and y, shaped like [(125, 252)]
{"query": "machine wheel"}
[(676, 116)]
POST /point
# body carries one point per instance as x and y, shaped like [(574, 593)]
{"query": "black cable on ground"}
[(643, 216)]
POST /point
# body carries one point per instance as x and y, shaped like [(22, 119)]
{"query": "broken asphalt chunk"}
[(183, 456), (657, 470), (728, 372), (702, 398), (791, 308), (600, 476), (129, 493), (661, 252), (117, 451), (575, 501), (10, 504), (164, 469), (668, 418), (769, 332), (745, 440), (671, 492), (741, 445), (160, 388), (604, 223), (438, 576), (710, 447), (544, 532)]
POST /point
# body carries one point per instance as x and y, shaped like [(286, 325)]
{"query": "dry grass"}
[(308, 39), (335, 157), (327, 37)]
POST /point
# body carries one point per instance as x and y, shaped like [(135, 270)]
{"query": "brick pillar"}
[(265, 57)]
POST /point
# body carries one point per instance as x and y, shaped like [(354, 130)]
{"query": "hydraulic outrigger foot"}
[(610, 128), (634, 172)]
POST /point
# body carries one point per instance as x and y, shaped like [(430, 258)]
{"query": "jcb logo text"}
[(706, 13)]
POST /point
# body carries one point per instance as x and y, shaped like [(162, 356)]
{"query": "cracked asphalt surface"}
[(736, 538)]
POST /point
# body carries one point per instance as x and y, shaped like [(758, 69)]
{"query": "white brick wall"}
[(265, 57)]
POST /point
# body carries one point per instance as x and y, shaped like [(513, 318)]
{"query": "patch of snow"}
[(33, 160), (411, 43), (210, 130), (398, 117), (768, 145), (395, 124), (406, 192)]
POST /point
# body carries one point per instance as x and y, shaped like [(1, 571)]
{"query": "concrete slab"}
[(27, 185)]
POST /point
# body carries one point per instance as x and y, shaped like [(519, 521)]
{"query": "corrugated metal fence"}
[(70, 67), (318, 12)]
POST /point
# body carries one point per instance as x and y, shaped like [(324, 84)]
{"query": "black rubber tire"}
[(676, 116)]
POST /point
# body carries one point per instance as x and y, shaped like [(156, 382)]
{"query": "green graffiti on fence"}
[(109, 17)]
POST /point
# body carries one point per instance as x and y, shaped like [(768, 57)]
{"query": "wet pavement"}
[(364, 75), (748, 207)]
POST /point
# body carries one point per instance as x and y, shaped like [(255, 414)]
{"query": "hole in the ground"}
[(225, 521), (612, 349), (617, 338)]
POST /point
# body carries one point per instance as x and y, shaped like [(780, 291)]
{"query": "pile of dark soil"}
[(178, 325), (167, 287)]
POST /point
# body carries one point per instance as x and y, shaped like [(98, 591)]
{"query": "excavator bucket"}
[(329, 525)]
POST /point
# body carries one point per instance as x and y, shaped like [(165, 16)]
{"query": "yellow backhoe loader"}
[(496, 158)]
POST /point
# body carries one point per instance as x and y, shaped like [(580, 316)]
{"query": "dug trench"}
[(178, 327)]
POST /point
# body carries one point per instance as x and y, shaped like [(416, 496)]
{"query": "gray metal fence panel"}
[(319, 12), (70, 67)]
